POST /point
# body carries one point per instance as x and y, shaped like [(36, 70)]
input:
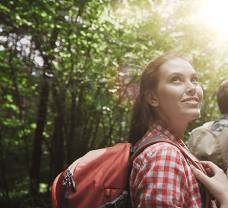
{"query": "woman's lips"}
[(191, 99)]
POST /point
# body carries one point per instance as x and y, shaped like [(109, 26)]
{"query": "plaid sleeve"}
[(161, 177)]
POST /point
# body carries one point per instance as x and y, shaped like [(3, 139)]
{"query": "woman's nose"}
[(190, 88)]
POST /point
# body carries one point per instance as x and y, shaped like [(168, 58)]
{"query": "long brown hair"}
[(144, 114)]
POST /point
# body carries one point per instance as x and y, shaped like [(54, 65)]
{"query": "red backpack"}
[(99, 179)]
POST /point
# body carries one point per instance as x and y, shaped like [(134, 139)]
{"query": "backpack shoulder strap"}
[(145, 144), (158, 139)]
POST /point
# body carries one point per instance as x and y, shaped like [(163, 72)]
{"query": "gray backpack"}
[(210, 142)]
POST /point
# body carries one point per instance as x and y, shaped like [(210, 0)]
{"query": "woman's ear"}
[(153, 100)]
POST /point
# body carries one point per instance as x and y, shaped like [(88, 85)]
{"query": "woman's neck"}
[(175, 127)]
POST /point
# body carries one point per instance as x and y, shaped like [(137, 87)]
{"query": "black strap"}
[(148, 142)]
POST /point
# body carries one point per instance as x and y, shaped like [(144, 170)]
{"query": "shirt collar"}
[(158, 129)]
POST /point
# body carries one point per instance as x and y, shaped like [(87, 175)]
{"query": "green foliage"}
[(91, 53)]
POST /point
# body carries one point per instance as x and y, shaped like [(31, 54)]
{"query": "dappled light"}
[(70, 71), (215, 16), (211, 15)]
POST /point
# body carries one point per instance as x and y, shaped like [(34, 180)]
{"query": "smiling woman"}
[(169, 98)]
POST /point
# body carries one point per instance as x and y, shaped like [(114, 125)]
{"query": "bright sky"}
[(211, 13), (214, 14)]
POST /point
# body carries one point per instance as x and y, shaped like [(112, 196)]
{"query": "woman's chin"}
[(193, 115)]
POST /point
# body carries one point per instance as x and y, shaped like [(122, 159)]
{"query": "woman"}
[(169, 98), (217, 184)]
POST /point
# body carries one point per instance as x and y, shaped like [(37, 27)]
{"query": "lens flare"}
[(214, 14)]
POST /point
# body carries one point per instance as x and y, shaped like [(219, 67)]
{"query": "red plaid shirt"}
[(161, 176)]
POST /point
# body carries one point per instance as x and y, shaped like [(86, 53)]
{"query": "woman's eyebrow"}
[(181, 74), (175, 74), (195, 74)]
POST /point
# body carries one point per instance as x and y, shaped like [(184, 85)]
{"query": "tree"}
[(69, 72)]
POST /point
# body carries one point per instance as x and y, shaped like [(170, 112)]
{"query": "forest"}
[(69, 74)]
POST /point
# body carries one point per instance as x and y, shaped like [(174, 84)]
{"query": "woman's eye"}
[(176, 79), (194, 80)]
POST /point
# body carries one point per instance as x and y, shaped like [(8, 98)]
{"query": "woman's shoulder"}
[(160, 155), (163, 147), (160, 149)]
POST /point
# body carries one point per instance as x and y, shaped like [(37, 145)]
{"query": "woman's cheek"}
[(200, 92)]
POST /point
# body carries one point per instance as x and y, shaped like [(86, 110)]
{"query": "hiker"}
[(217, 184), (222, 100), (210, 141), (169, 98)]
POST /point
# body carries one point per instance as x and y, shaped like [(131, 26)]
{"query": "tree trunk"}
[(71, 137), (38, 136), (3, 173), (57, 147)]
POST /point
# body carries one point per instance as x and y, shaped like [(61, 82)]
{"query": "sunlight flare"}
[(214, 14)]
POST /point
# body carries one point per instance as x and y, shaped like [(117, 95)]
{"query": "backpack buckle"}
[(68, 182)]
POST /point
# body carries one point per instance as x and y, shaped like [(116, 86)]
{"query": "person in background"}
[(210, 141), (222, 100), (217, 184), (169, 98)]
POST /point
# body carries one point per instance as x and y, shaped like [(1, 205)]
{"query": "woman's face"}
[(178, 95)]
